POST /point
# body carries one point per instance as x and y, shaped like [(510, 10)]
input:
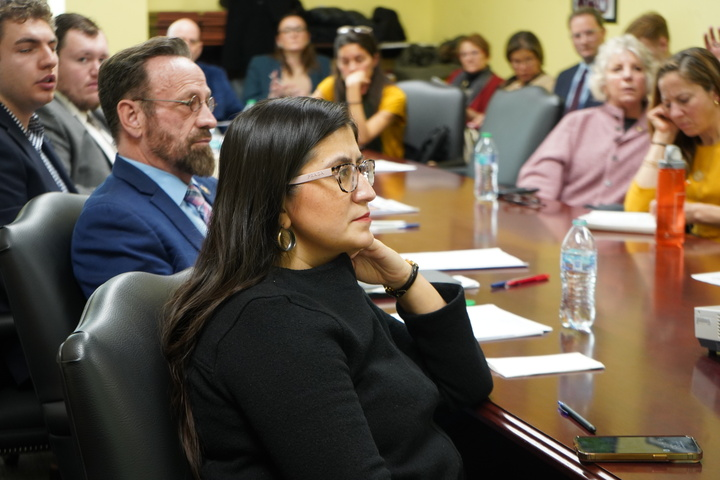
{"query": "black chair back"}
[(433, 108), (117, 382), (46, 303)]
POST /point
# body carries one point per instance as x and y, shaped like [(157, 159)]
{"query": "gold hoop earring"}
[(716, 103), (286, 244)]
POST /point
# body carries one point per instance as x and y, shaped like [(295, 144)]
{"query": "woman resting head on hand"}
[(686, 112), (282, 366), (376, 105)]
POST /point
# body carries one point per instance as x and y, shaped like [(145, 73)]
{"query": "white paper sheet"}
[(511, 367), (490, 322), (709, 277), (385, 166), (633, 222), (383, 206), (476, 259)]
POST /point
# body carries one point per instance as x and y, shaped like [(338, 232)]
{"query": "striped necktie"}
[(196, 199)]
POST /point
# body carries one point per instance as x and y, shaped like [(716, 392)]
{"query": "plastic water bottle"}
[(486, 161), (578, 273), (671, 199)]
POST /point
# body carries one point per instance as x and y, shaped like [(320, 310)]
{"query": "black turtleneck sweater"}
[(303, 377)]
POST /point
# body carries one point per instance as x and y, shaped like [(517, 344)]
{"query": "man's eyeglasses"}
[(355, 29), (347, 175), (194, 103)]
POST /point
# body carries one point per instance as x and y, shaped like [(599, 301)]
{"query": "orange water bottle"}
[(671, 199)]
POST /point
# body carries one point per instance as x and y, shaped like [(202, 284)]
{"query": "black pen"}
[(577, 417)]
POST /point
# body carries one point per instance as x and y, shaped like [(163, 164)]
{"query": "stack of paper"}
[(386, 166), (510, 367), (490, 322), (384, 206), (633, 222), (476, 259)]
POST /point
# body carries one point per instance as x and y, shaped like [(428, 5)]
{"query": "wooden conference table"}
[(658, 380)]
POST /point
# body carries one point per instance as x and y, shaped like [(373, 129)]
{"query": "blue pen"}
[(577, 417)]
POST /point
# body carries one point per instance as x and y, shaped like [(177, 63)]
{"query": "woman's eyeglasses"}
[(347, 175), (364, 29), (287, 30)]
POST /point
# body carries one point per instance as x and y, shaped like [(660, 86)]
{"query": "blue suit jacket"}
[(227, 104), (130, 224), (563, 84)]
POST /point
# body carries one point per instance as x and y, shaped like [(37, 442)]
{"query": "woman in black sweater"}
[(283, 367)]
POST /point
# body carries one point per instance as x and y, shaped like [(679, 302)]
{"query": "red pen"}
[(521, 281)]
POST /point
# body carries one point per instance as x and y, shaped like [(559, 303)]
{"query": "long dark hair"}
[(264, 148), (367, 42), (696, 65), (308, 57)]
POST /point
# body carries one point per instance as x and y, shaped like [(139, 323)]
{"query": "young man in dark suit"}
[(28, 164), (151, 213), (587, 33)]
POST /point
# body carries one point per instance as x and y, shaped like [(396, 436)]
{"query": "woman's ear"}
[(284, 219)]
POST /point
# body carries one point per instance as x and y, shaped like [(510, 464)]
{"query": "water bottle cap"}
[(486, 135), (673, 158), (580, 222)]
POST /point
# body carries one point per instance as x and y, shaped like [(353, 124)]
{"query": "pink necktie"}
[(196, 199)]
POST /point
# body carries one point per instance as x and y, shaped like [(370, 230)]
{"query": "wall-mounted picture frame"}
[(608, 8)]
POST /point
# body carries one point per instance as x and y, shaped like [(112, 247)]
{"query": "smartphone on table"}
[(673, 448)]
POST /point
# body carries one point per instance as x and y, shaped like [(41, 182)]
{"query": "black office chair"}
[(519, 121), (435, 113), (22, 428), (117, 382), (46, 303)]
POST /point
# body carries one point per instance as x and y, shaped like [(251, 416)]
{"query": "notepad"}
[(386, 166), (384, 206), (512, 367), (709, 277), (476, 259), (632, 222), (490, 322)]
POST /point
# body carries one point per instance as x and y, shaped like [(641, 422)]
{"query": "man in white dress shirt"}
[(73, 121)]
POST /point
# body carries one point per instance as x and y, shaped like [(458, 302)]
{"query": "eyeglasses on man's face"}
[(194, 103), (347, 175), (355, 29)]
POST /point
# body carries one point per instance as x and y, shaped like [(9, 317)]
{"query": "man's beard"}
[(186, 157)]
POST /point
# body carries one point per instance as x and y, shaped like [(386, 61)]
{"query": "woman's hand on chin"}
[(379, 264)]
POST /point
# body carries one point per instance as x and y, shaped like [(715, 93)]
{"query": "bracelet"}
[(397, 293), (659, 143)]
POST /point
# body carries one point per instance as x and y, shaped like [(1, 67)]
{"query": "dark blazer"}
[(83, 158), (227, 104), (23, 176), (564, 82), (130, 224)]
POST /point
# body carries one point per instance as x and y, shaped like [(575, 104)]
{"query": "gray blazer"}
[(83, 159)]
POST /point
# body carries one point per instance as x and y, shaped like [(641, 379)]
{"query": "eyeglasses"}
[(522, 199), (194, 103), (293, 30), (347, 175), (586, 33), (355, 29)]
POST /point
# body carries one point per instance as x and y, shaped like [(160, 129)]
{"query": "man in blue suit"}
[(227, 103), (151, 213), (573, 85)]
